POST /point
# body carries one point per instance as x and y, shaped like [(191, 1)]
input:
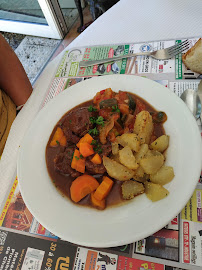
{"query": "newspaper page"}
[(26, 244)]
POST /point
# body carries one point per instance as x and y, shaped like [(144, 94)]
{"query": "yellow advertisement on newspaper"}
[(193, 209)]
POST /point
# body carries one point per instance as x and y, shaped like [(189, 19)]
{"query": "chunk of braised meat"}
[(78, 122), (92, 168), (106, 149), (70, 136), (62, 162)]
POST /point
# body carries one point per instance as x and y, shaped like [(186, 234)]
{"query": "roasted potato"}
[(140, 175), (130, 189), (139, 172), (160, 144), (129, 139), (143, 126), (142, 152), (163, 176), (152, 164), (127, 158), (117, 170), (155, 192), (152, 153), (115, 158), (115, 148)]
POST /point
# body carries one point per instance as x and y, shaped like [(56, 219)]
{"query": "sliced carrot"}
[(82, 186), (78, 162), (86, 138), (86, 149), (104, 188), (63, 141), (56, 137), (97, 203), (97, 159)]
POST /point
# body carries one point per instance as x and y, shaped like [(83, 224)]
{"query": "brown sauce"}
[(63, 182)]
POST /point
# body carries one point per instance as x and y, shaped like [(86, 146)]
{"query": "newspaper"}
[(26, 244)]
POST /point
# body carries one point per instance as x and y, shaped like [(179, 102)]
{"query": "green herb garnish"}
[(93, 131), (57, 142), (92, 109), (98, 121), (77, 158), (115, 109), (96, 147), (70, 121), (81, 156), (92, 120), (94, 142)]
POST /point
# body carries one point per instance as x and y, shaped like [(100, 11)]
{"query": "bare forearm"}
[(13, 79)]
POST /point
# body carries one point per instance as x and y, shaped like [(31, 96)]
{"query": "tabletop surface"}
[(126, 22)]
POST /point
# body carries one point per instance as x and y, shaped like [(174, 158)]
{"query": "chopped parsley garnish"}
[(77, 158), (98, 121), (81, 156), (96, 147), (57, 142), (94, 142), (92, 120), (115, 109), (93, 131), (70, 121), (92, 109)]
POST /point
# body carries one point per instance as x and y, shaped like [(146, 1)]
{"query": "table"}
[(129, 21)]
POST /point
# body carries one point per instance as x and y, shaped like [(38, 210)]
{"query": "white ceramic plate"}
[(123, 224)]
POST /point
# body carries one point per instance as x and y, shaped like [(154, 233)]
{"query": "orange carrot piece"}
[(78, 162), (86, 138), (97, 159), (104, 188), (86, 149), (56, 137), (81, 165), (82, 186), (97, 203), (63, 141)]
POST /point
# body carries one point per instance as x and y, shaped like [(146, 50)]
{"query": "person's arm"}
[(13, 79)]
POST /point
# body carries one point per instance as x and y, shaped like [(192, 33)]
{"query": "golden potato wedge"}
[(152, 153), (129, 139), (115, 157), (163, 176), (139, 172), (152, 164), (142, 152), (117, 170), (140, 175), (161, 143), (115, 148), (143, 126), (127, 158), (155, 192), (130, 189)]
